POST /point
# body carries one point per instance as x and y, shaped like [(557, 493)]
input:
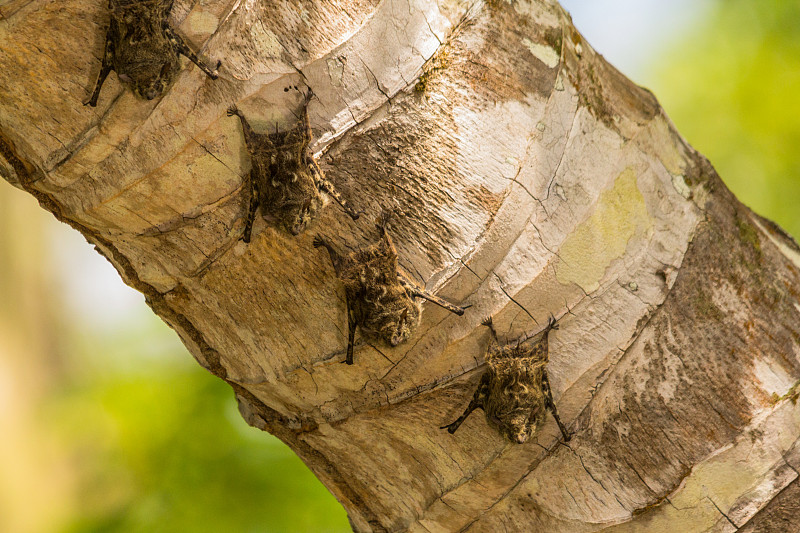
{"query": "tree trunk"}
[(527, 177)]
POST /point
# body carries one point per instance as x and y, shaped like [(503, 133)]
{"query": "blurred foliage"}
[(160, 446), (731, 85)]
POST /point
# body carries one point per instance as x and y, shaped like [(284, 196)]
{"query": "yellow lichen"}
[(545, 54), (620, 214), (439, 62)]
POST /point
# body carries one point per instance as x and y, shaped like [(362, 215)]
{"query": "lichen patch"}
[(620, 215), (542, 52)]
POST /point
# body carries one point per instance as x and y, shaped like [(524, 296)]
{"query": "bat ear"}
[(404, 316), (307, 204)]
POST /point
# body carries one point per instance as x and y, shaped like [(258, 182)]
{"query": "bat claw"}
[(215, 73), (383, 219), (462, 309)]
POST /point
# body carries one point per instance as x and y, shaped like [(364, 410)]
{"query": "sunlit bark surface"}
[(527, 177)]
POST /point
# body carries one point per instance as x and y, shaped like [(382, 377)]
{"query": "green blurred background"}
[(107, 422)]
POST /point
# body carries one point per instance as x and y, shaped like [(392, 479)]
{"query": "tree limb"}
[(528, 177)]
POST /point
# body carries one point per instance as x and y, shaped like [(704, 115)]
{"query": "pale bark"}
[(528, 177)]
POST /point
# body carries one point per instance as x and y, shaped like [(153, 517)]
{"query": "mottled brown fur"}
[(143, 49), (285, 180), (381, 299), (514, 392)]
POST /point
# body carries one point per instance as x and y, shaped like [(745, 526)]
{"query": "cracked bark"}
[(528, 177)]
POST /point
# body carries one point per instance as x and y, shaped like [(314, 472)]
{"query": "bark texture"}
[(528, 177)]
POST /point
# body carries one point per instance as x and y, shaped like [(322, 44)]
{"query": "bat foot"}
[(383, 219), (318, 241)]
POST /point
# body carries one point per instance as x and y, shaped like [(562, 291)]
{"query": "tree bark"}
[(527, 177)]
